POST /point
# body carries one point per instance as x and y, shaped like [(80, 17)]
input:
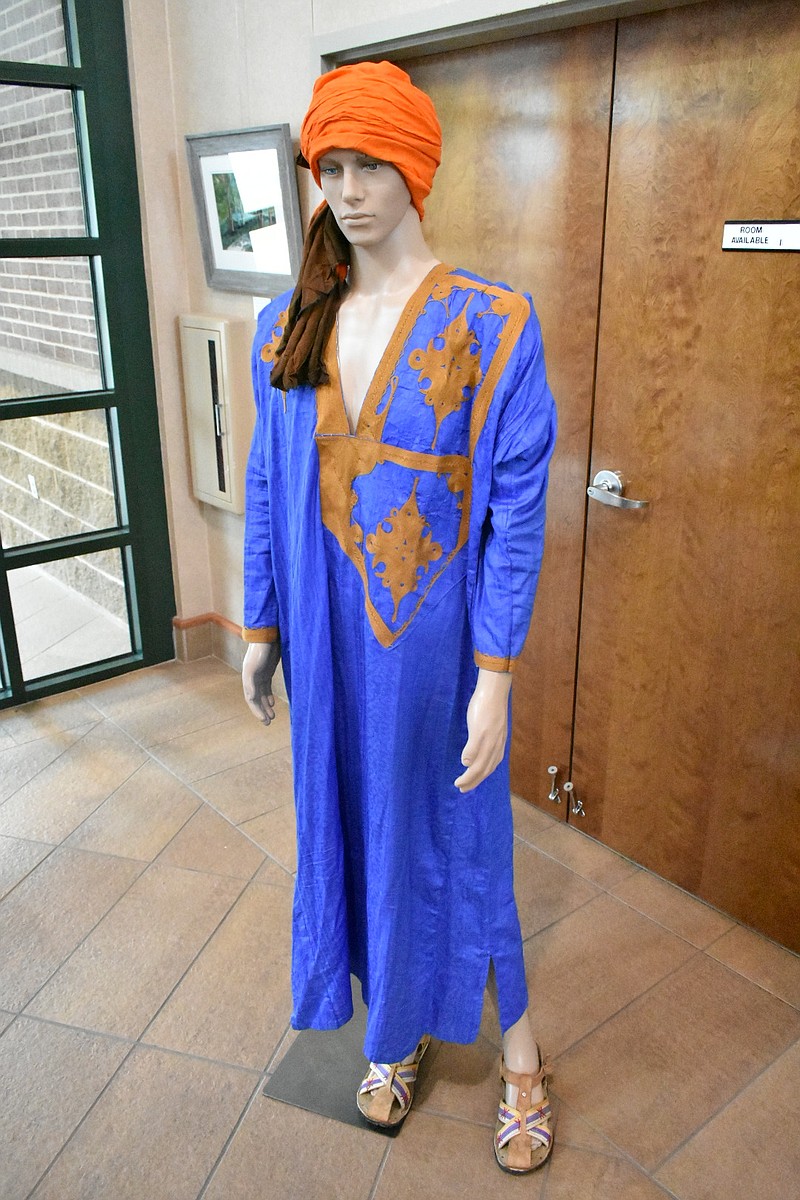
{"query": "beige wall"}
[(199, 66)]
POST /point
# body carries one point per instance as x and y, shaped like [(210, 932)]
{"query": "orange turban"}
[(375, 108)]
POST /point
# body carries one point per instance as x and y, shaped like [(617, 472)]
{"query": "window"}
[(85, 578)]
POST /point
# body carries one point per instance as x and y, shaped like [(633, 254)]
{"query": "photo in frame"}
[(248, 213)]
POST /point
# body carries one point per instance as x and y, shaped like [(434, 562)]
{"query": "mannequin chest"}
[(364, 329)]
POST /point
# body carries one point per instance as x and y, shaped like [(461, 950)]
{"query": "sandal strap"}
[(401, 1077), (535, 1123), (520, 1079), (396, 1075)]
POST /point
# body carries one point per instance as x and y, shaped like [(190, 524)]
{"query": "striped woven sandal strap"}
[(397, 1075), (511, 1123)]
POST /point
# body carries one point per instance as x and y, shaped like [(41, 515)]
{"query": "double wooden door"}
[(595, 167)]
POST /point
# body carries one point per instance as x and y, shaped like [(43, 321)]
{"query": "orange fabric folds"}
[(376, 109)]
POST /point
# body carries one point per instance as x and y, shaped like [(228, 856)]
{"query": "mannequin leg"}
[(522, 1056), (520, 1050)]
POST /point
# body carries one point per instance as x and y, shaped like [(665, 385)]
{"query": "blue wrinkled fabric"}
[(401, 880)]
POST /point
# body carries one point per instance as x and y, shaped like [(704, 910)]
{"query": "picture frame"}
[(248, 212)]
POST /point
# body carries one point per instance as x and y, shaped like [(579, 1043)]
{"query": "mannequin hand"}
[(258, 667), (487, 724)]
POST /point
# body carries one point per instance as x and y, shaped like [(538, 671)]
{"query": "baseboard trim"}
[(209, 618)]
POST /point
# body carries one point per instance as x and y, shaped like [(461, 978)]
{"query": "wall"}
[(199, 66)]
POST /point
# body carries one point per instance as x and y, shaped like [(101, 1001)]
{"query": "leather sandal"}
[(523, 1137), (387, 1090)]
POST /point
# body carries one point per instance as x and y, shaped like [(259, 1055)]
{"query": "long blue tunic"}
[(395, 562)]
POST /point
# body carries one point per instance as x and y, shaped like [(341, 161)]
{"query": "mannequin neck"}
[(395, 265)]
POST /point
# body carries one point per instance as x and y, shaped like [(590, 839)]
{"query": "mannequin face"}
[(368, 197)]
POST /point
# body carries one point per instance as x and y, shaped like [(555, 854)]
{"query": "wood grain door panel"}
[(687, 729), (520, 197)]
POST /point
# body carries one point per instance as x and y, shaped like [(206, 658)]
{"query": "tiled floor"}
[(146, 851)]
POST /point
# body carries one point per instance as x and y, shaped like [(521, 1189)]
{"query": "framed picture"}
[(245, 194)]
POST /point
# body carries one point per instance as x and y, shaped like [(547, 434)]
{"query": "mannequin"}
[(389, 261)]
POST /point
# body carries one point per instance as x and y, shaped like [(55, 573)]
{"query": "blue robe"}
[(395, 562)]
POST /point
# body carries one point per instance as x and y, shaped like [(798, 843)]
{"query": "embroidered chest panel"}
[(396, 495)]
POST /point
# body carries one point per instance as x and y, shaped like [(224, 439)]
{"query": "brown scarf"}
[(314, 304)]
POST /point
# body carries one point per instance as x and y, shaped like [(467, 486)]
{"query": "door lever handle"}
[(608, 486)]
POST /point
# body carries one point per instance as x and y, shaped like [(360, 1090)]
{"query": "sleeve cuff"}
[(490, 663), (267, 634)]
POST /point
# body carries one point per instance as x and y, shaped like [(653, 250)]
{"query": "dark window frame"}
[(102, 105)]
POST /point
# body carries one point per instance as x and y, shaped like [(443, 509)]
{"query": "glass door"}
[(85, 578)]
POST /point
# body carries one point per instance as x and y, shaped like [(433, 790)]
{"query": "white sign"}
[(761, 235)]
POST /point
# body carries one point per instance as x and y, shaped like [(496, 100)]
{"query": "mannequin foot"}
[(387, 1090), (523, 1134)]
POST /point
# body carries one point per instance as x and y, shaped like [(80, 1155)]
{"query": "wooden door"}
[(687, 729), (685, 747), (520, 197)]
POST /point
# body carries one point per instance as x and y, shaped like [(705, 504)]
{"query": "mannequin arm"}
[(487, 726), (258, 668)]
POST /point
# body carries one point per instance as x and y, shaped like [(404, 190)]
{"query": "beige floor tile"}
[(210, 843), (51, 1076), (653, 1074), (584, 855), (17, 859), (252, 788), (210, 751), (63, 794), (50, 912), (120, 976), (168, 714), (545, 890), (579, 1174), (6, 740), (275, 831), (140, 818), (435, 1156), (298, 1155), (20, 764), (755, 1139), (585, 1165), (591, 964), (530, 820), (676, 910), (460, 1081), (272, 873), (124, 694), (573, 1131), (765, 962), (43, 718), (235, 1001), (5, 1020), (282, 1049), (155, 1133)]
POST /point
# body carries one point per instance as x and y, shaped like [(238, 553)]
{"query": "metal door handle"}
[(608, 486)]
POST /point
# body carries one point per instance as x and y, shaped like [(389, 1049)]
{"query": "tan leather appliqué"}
[(269, 348), (402, 549), (450, 372)]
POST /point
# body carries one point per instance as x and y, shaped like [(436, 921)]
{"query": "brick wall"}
[(47, 327), (32, 31)]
